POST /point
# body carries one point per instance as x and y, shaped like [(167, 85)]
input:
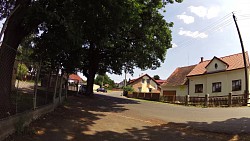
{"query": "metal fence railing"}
[(27, 85)]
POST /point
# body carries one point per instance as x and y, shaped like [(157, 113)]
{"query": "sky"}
[(201, 29)]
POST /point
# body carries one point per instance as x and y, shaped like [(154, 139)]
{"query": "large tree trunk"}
[(93, 67), (90, 81), (13, 36)]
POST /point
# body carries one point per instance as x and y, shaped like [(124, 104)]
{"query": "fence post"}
[(55, 88), (230, 99), (206, 100), (187, 100), (67, 86), (36, 85)]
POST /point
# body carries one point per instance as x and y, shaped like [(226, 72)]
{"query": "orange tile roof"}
[(75, 77), (234, 61), (160, 81), (178, 77)]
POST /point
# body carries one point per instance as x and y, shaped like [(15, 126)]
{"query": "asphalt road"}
[(234, 120), (112, 117)]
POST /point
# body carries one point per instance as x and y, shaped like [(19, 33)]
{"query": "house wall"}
[(180, 90), (224, 77), (145, 86), (211, 66)]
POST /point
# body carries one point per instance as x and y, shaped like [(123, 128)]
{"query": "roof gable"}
[(215, 65), (139, 79), (233, 62), (216, 58)]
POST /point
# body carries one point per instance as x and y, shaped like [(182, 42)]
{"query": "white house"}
[(216, 77), (219, 76)]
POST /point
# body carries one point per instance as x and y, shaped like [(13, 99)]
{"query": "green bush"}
[(128, 88), (22, 71)]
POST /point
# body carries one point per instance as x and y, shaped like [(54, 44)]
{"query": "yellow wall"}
[(224, 77), (180, 90), (145, 87)]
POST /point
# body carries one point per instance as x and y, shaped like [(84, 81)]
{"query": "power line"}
[(215, 26)]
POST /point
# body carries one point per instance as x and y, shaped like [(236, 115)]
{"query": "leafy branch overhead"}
[(86, 35)]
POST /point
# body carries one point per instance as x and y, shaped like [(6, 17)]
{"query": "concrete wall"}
[(224, 77), (180, 90), (7, 125)]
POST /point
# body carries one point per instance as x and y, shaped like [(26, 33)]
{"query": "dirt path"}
[(101, 119)]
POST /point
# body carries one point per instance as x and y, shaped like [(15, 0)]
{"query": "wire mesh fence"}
[(26, 84)]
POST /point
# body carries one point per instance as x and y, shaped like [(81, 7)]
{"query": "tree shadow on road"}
[(74, 121)]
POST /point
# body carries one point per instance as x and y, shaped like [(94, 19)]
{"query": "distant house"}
[(216, 77), (177, 83), (145, 83), (74, 78), (121, 84)]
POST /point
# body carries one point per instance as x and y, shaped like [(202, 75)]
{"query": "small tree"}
[(156, 77), (104, 79), (22, 71)]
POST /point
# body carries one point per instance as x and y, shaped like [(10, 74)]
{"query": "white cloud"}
[(199, 11), (174, 45), (213, 12), (195, 34), (204, 12), (186, 19)]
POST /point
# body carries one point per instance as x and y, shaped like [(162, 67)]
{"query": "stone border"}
[(7, 125)]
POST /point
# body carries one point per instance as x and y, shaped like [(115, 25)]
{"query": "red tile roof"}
[(234, 61), (178, 77), (160, 81), (75, 77)]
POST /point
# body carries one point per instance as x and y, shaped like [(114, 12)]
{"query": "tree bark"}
[(90, 81), (93, 67), (13, 35), (12, 38)]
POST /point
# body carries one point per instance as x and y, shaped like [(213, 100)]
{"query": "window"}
[(215, 65), (142, 81), (216, 87), (148, 81), (150, 90), (139, 89), (236, 85), (199, 88)]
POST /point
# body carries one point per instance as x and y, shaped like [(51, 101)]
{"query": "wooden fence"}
[(207, 101), (145, 95)]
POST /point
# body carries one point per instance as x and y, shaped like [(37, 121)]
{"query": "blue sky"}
[(202, 28)]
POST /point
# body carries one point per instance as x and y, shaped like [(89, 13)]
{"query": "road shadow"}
[(229, 126), (73, 122)]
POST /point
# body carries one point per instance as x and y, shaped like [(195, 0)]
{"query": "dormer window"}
[(215, 65)]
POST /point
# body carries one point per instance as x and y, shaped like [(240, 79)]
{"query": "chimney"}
[(202, 59)]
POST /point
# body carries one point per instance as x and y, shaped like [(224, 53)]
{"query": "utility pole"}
[(245, 63)]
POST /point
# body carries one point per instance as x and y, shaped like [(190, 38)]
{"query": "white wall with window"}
[(217, 84)]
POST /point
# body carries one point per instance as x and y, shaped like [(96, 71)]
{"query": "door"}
[(169, 96)]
